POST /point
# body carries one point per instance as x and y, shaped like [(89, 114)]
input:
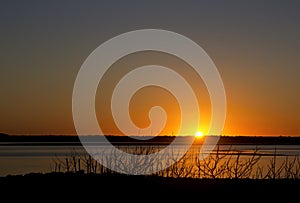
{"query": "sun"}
[(198, 134)]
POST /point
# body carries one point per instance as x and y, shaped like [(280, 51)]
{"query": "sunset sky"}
[(254, 44)]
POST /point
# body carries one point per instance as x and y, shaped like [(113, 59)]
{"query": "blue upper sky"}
[(254, 44)]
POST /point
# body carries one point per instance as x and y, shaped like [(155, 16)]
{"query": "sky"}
[(255, 46)]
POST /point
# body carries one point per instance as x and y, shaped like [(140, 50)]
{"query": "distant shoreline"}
[(6, 139)]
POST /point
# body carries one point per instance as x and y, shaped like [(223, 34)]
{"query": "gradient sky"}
[(254, 44)]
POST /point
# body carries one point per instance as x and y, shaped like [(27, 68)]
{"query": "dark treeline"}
[(73, 140)]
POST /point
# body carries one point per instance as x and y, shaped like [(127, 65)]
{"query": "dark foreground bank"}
[(74, 186)]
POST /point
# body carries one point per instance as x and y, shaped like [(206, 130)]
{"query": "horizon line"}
[(118, 135)]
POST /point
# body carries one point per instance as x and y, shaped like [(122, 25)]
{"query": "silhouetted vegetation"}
[(219, 164), (223, 172)]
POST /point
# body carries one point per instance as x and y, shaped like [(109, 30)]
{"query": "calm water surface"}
[(18, 159)]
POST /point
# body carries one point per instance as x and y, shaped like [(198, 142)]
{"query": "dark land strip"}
[(161, 140)]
